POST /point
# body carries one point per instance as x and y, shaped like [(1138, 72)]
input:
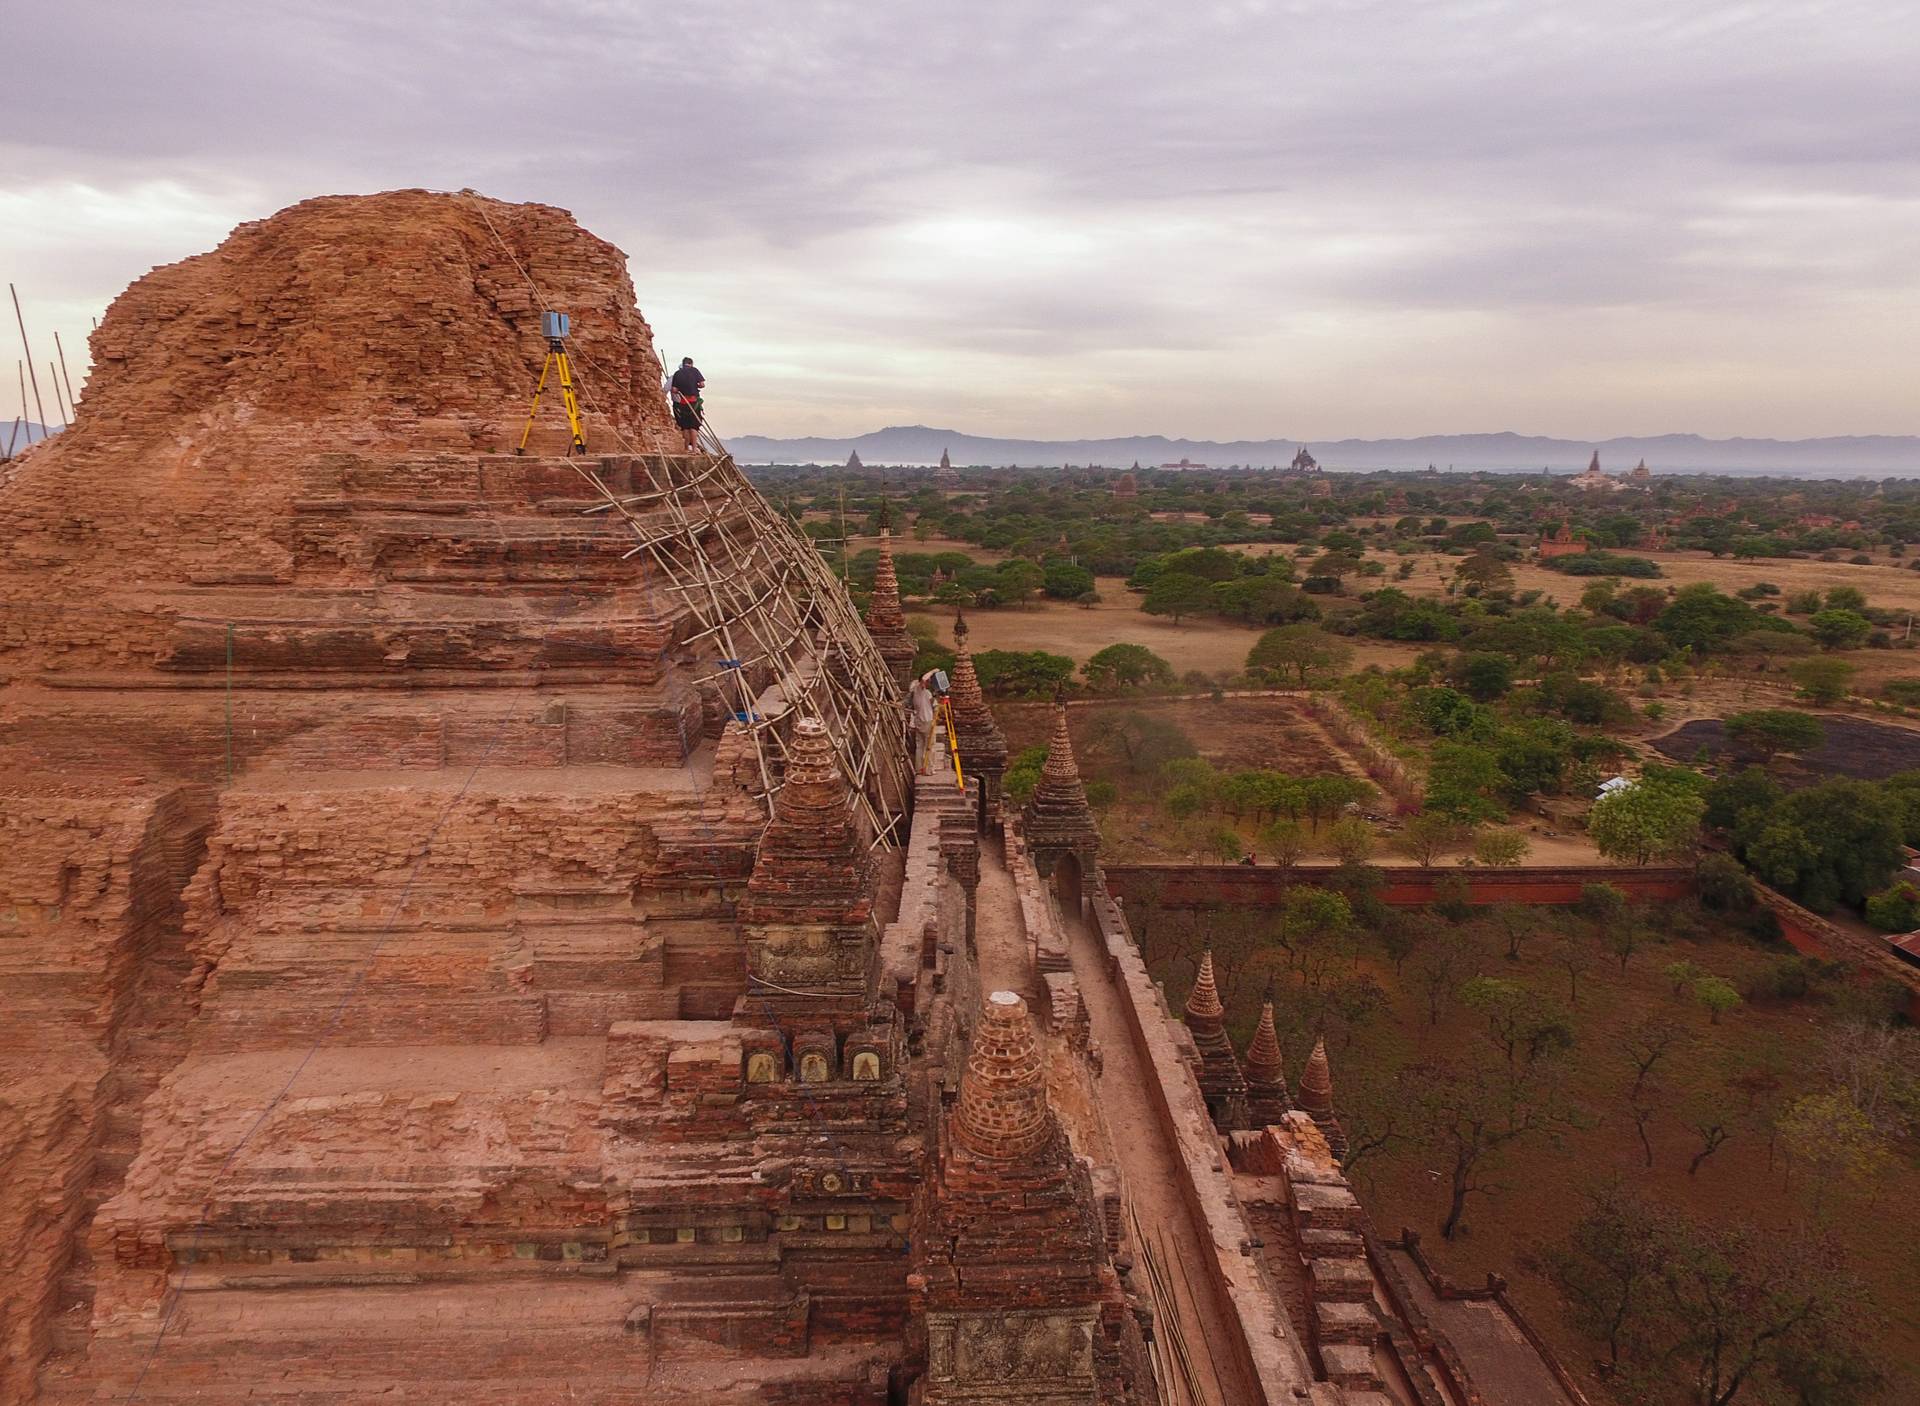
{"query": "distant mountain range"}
[(917, 445), (14, 438)]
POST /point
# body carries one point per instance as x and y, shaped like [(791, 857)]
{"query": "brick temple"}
[(446, 966)]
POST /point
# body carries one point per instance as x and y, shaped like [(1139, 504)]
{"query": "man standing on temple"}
[(688, 412), (920, 721)]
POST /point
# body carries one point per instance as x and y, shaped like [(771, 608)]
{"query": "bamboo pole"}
[(18, 317), (21, 367), (14, 434), (53, 375), (73, 405)]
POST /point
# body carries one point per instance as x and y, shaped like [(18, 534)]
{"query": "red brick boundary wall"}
[(1494, 1292), (1813, 935), (1263, 885)]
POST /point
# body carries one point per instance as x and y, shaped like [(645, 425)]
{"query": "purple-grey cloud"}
[(1579, 216)]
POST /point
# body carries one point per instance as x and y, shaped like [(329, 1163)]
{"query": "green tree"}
[(1840, 629), (1121, 666), (1286, 841), (1023, 774), (1729, 797), (1702, 618), (1351, 840), (1263, 600), (1717, 994), (1017, 580), (1303, 653), (1334, 566), (1832, 843), (1472, 1118), (1897, 909), (1771, 731), (1830, 1137), (1485, 677), (1464, 783), (1142, 743), (1644, 822), (1021, 673), (1520, 1021), (1066, 581), (1484, 572), (1177, 595), (1424, 836), (1500, 848), (1716, 1317), (1821, 681)]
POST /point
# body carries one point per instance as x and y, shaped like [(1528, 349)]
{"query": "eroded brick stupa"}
[(442, 946)]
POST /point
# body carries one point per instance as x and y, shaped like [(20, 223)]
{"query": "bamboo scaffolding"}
[(72, 404), (38, 409)]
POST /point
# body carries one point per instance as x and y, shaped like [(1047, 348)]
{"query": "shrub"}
[(1500, 848), (1023, 774), (1723, 884), (1822, 681), (1717, 994), (1603, 564), (1896, 909)]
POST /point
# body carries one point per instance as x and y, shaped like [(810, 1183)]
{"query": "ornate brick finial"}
[(1316, 1097), (1266, 1071), (982, 746), (1221, 1082), (1316, 1082), (1264, 1060), (1203, 1002), (1061, 773), (807, 916), (885, 620), (1003, 1114), (1058, 821), (810, 859)]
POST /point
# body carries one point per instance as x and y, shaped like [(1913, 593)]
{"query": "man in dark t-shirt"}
[(688, 412)]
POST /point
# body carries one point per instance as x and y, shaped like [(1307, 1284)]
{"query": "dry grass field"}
[(1540, 1183), (1211, 646)]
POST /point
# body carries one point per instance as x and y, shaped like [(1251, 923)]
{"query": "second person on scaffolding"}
[(688, 411)]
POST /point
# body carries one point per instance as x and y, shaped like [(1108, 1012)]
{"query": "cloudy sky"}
[(1306, 218)]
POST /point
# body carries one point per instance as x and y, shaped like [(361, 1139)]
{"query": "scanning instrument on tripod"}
[(943, 720), (555, 327)]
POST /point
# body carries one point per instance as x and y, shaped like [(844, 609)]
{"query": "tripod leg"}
[(573, 405), (534, 409)]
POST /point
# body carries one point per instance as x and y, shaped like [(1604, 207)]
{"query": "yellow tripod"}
[(554, 324), (943, 719)]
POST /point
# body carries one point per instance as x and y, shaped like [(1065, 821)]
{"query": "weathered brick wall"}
[(87, 887), (1259, 1333), (520, 921)]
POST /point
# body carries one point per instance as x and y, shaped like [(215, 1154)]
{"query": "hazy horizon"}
[(1584, 220)]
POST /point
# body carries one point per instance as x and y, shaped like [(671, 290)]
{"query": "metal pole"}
[(38, 409), (72, 404)]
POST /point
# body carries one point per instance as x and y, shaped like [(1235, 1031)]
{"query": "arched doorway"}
[(1068, 882)]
